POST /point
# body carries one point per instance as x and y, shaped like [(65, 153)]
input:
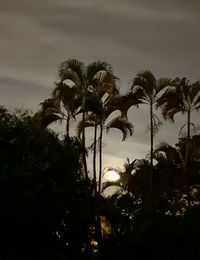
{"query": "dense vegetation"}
[(52, 208)]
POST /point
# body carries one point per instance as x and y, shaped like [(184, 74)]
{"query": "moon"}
[(111, 175)]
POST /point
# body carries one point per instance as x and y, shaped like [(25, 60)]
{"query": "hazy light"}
[(111, 175)]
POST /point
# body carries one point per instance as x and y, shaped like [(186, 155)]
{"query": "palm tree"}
[(133, 183), (98, 118), (62, 106), (83, 77), (170, 165), (146, 89), (76, 82), (66, 97), (98, 109), (102, 89), (166, 177), (181, 97)]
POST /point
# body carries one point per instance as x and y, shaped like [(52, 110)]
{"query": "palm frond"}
[(51, 112), (129, 166), (170, 153), (142, 166), (170, 103), (84, 124), (168, 97), (64, 90), (146, 81), (197, 103), (105, 83), (93, 104), (160, 158), (73, 70), (169, 111), (162, 83), (121, 124), (96, 67), (125, 102), (194, 92), (50, 103), (48, 119), (175, 82), (181, 96), (162, 147), (72, 77), (67, 95)]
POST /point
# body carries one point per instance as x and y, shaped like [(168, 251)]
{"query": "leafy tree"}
[(39, 181)]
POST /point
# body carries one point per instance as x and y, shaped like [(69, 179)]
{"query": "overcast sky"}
[(131, 35)]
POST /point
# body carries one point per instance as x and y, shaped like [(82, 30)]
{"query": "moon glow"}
[(111, 175)]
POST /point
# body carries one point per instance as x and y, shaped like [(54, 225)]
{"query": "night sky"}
[(36, 36)]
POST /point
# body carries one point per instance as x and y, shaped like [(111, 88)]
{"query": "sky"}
[(131, 35)]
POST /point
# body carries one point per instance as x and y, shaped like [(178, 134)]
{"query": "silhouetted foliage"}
[(50, 209), (39, 181)]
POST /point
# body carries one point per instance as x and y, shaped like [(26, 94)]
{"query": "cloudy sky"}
[(132, 35)]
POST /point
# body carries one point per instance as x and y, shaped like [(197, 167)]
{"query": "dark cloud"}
[(133, 33), (21, 93), (20, 86)]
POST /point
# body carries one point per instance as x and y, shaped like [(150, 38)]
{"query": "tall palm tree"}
[(102, 89), (146, 89), (98, 119), (181, 97), (98, 109), (77, 75)]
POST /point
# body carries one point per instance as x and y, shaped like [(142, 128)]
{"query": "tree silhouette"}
[(181, 97), (39, 181), (83, 78), (146, 88), (51, 209), (95, 120)]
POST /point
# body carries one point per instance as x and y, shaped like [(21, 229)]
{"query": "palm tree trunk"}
[(188, 139), (151, 152), (67, 128), (151, 139), (84, 149), (100, 156), (185, 169), (97, 197), (94, 157)]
